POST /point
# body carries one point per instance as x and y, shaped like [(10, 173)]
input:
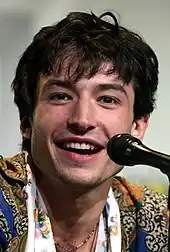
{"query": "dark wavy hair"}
[(81, 42)]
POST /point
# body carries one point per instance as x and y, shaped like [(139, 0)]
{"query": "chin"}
[(80, 179)]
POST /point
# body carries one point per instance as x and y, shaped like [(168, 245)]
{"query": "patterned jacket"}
[(144, 213)]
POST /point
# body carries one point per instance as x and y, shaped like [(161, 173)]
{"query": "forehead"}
[(88, 83)]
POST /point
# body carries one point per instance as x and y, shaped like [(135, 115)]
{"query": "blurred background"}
[(21, 19)]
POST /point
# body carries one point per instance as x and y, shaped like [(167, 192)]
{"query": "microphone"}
[(127, 150)]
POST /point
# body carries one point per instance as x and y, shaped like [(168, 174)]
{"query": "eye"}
[(60, 97), (108, 99)]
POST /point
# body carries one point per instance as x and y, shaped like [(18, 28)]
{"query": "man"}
[(78, 83)]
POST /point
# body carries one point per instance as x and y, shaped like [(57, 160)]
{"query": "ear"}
[(139, 127), (26, 127)]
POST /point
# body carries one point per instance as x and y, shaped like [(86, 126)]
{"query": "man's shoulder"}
[(13, 179), (14, 168), (13, 213), (144, 215), (136, 195), (156, 199)]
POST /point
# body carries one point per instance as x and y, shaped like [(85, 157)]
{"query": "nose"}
[(82, 118)]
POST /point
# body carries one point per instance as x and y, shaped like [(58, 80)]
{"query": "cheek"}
[(116, 123), (47, 120)]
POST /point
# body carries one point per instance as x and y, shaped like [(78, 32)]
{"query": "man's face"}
[(72, 124)]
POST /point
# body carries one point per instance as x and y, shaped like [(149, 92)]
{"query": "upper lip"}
[(80, 140)]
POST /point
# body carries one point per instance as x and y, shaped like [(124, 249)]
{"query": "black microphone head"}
[(120, 148)]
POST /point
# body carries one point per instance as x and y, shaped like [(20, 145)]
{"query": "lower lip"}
[(75, 157)]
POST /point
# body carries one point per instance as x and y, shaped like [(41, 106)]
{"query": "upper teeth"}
[(82, 146)]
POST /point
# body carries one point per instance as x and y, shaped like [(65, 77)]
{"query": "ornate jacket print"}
[(144, 213)]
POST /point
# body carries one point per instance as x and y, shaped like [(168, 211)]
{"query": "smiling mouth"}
[(80, 148)]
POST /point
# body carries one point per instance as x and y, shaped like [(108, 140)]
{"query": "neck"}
[(73, 214)]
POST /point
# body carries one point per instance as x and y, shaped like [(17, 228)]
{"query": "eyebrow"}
[(113, 86), (58, 83), (101, 87)]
